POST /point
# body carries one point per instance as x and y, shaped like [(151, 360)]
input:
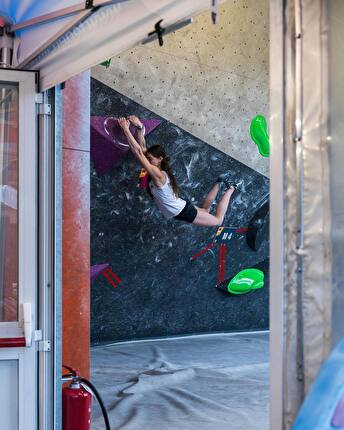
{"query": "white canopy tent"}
[(65, 38)]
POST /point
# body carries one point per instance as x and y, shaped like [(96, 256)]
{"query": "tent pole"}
[(299, 152), (6, 48)]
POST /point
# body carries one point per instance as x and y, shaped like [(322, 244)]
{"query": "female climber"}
[(163, 186)]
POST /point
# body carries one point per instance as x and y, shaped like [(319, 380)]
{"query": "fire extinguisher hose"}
[(100, 401)]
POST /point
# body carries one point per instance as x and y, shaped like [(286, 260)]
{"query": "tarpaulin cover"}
[(207, 382)]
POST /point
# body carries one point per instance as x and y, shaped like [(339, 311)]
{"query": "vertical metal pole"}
[(6, 48), (57, 261), (46, 285), (299, 149), (277, 213)]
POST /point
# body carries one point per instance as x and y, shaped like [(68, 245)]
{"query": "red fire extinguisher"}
[(76, 402)]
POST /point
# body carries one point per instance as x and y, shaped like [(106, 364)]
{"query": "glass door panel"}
[(9, 95)]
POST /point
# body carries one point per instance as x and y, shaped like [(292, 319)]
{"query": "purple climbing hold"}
[(96, 270), (108, 143)]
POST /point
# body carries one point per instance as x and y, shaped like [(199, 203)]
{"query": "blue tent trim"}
[(319, 407)]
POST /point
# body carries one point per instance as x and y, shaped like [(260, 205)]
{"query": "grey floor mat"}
[(209, 382)]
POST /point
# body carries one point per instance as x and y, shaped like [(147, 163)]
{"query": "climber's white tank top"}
[(166, 200)]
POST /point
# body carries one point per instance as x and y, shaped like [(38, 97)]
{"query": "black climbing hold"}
[(258, 227)]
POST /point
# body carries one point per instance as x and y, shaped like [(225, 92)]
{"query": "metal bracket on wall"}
[(153, 35), (159, 31), (44, 346), (214, 11), (43, 108)]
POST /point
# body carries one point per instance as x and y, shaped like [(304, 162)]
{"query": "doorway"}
[(154, 282)]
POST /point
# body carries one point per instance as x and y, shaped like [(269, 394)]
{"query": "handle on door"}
[(27, 323)]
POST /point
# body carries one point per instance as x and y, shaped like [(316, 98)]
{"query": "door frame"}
[(25, 355), (50, 258), (39, 366)]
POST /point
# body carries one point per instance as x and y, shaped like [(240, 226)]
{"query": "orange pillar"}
[(76, 223)]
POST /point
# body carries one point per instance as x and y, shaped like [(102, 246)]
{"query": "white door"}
[(18, 250)]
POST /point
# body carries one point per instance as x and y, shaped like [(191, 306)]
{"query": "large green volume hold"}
[(259, 135), (246, 281)]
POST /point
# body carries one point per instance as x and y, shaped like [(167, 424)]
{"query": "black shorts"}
[(188, 214)]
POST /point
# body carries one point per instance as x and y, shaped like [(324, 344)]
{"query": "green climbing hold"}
[(246, 281), (259, 135), (106, 63)]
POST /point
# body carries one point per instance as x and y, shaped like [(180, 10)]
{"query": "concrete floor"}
[(207, 382)]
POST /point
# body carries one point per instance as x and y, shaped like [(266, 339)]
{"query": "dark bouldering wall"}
[(162, 292)]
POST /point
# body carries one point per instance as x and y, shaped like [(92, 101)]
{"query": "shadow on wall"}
[(161, 291)]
